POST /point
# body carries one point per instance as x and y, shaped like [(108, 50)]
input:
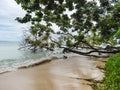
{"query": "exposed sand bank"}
[(59, 74)]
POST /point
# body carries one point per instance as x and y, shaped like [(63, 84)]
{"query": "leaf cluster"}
[(79, 21)]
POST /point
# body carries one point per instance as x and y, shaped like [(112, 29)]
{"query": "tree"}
[(82, 24)]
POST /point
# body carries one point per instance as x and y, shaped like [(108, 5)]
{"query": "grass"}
[(111, 80)]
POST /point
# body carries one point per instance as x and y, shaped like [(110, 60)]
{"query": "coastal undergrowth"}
[(111, 80)]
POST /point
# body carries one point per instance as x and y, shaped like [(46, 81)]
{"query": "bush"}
[(112, 75)]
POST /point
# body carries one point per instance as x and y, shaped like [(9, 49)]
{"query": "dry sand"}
[(59, 74)]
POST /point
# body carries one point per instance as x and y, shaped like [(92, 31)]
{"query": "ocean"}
[(12, 58)]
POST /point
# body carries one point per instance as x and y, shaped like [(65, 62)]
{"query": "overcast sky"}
[(10, 30)]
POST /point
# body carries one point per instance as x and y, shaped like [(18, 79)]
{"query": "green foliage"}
[(118, 33), (52, 44), (112, 74), (84, 21)]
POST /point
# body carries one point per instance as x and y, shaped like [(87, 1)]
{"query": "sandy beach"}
[(59, 74)]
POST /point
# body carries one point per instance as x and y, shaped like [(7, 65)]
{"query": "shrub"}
[(111, 80)]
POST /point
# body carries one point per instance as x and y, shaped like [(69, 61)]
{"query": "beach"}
[(72, 73)]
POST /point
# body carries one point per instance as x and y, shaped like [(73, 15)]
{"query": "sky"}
[(10, 29)]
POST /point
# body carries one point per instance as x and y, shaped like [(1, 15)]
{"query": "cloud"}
[(9, 8), (10, 29)]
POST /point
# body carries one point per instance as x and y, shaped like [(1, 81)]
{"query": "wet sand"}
[(59, 74)]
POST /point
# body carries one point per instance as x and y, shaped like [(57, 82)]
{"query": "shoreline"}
[(54, 74), (39, 62)]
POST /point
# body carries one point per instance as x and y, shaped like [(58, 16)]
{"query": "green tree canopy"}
[(81, 24)]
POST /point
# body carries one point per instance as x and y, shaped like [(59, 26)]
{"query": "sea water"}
[(11, 57)]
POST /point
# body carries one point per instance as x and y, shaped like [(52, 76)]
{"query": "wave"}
[(32, 63), (5, 68)]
